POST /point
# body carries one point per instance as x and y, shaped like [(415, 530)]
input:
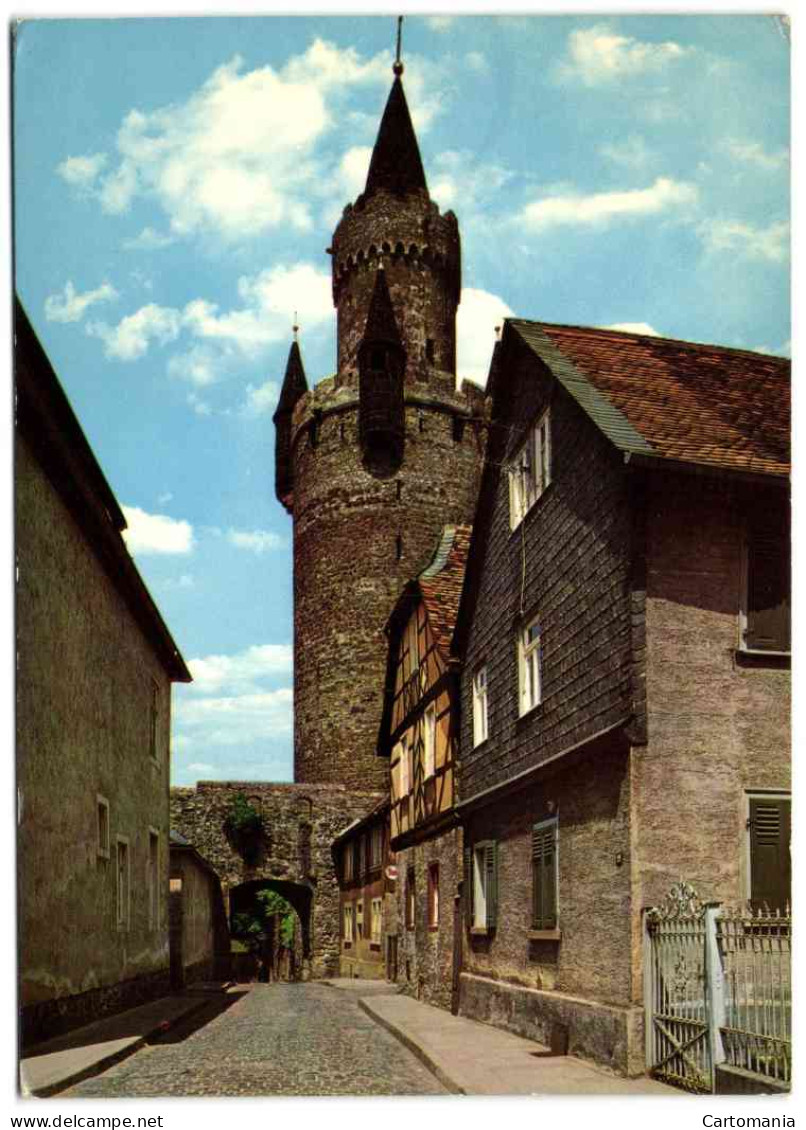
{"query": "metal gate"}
[(675, 984)]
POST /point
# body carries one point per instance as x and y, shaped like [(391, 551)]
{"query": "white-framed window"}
[(530, 676), (348, 923), (480, 706), (123, 867), (530, 472), (102, 819), (430, 740), (359, 920), (484, 885), (545, 874), (376, 914), (403, 762), (154, 721), (153, 877)]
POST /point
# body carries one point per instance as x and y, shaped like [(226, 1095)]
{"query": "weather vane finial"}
[(295, 326), (398, 65)]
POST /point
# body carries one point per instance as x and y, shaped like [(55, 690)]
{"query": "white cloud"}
[(600, 208), (81, 172), (185, 581), (199, 406), (634, 328), (155, 533), (461, 179), (440, 23), (598, 55), (260, 399), (238, 156), (149, 240), (770, 243), (201, 767), (476, 61), (241, 673), (199, 365), (235, 720), (70, 306), (256, 541), (130, 339), (479, 314), (631, 152), (753, 153)]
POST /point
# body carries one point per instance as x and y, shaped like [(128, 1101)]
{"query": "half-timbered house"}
[(419, 733)]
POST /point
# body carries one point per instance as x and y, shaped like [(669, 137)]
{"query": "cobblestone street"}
[(280, 1039)]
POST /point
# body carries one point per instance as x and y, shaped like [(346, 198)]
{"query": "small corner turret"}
[(294, 388)]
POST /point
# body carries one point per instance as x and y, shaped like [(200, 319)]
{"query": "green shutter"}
[(544, 877), (770, 868), (467, 889), (768, 585), (491, 882)]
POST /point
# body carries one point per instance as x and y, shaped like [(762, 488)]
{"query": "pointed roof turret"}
[(294, 383), (396, 165), (381, 324)]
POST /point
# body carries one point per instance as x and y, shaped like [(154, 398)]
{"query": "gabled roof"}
[(440, 583), (678, 400), (396, 165), (294, 383)]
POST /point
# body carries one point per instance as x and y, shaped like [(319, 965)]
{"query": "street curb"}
[(423, 1056), (103, 1063)]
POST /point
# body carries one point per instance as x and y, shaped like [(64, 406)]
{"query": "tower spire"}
[(396, 165)]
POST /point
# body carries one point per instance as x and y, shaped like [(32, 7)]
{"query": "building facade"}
[(624, 632), (93, 696), (367, 912), (199, 931)]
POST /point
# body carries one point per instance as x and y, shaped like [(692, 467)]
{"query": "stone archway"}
[(300, 823), (296, 965)]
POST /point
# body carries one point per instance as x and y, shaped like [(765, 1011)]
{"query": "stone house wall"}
[(84, 685)]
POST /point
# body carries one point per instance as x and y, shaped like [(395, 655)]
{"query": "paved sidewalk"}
[(50, 1067), (363, 986), (470, 1058)]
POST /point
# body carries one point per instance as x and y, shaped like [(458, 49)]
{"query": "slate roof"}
[(294, 383), (396, 165), (381, 325), (440, 583), (704, 404)]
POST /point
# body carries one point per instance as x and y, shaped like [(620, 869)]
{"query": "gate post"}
[(649, 984), (714, 990)]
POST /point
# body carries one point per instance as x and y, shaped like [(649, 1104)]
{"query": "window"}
[(530, 473), (411, 898), (481, 885), (430, 723), (530, 690), (123, 883), (429, 350), (348, 861), (376, 847), (480, 706), (153, 878), (348, 924), (769, 831), (412, 645), (765, 620), (359, 920), (403, 766), (433, 896), (103, 826), (375, 921), (153, 732), (544, 875)]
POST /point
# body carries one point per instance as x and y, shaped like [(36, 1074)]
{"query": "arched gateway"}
[(290, 851)]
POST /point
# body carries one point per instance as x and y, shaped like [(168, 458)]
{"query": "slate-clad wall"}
[(347, 572), (569, 563)]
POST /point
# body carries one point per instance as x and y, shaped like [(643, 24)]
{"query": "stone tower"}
[(374, 461)]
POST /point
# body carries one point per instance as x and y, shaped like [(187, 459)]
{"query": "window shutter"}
[(491, 882), (768, 585), (467, 886), (770, 867), (544, 877)]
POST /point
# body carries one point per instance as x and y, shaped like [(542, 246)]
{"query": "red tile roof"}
[(440, 583), (689, 402)]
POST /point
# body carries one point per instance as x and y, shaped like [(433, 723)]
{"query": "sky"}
[(176, 185)]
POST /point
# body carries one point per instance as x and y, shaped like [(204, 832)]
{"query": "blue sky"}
[(177, 183)]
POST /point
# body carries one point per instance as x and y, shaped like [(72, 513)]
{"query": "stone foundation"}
[(46, 1019), (603, 1033)]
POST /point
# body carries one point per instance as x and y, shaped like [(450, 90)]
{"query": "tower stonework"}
[(378, 458)]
